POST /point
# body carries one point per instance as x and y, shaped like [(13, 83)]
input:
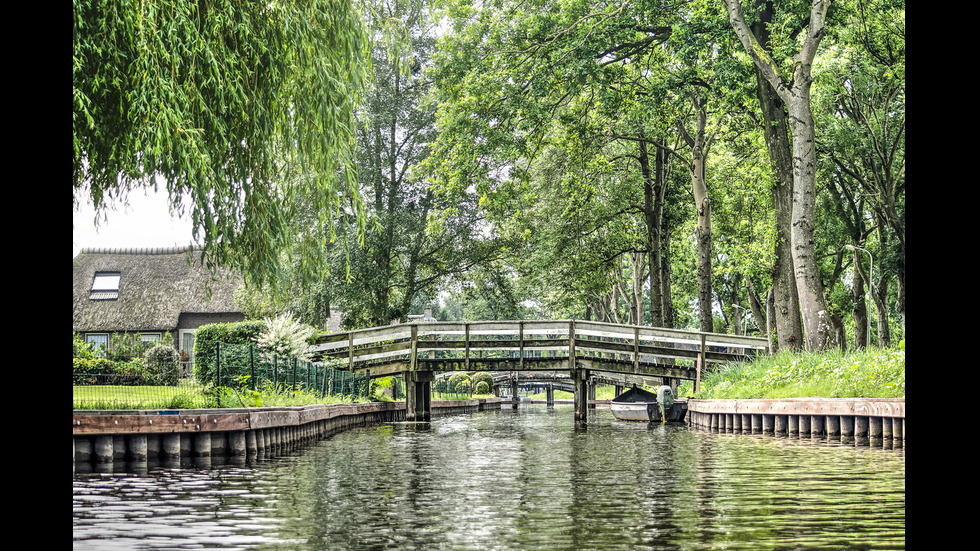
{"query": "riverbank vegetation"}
[(866, 373)]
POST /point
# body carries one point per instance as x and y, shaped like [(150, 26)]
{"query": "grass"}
[(186, 395), (191, 395), (871, 373)]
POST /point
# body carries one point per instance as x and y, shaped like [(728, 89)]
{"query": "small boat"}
[(637, 404)]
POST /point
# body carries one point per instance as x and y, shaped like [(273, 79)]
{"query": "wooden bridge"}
[(580, 348)]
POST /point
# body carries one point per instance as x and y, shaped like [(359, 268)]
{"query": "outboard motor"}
[(665, 400)]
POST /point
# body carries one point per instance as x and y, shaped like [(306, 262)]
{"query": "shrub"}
[(206, 343), (163, 363), (84, 370), (482, 377), (103, 371), (80, 348), (286, 337), (482, 388), (459, 381), (463, 387)]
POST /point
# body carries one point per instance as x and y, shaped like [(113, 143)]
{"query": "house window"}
[(105, 286), (148, 338), (99, 341), (187, 350)]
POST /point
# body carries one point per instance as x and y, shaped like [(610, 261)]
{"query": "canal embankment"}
[(100, 437), (861, 421)]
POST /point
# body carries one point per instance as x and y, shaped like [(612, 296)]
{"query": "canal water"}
[(523, 479)]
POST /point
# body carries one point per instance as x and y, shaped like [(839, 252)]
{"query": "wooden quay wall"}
[(104, 437), (862, 421)]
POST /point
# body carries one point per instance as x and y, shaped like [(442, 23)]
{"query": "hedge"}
[(206, 345)]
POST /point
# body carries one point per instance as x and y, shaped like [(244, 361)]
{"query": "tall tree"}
[(793, 85), (215, 101), (783, 302)]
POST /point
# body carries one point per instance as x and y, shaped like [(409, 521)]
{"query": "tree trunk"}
[(880, 297), (816, 317), (702, 208), (666, 294), (654, 187), (859, 300), (755, 306), (636, 310), (786, 320), (817, 325)]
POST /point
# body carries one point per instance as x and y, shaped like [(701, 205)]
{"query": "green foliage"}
[(162, 361), (103, 371), (267, 394), (115, 366), (80, 348), (458, 384), (482, 377), (463, 387), (481, 388), (382, 389), (208, 338), (85, 369), (456, 378), (871, 373), (286, 337), (219, 101)]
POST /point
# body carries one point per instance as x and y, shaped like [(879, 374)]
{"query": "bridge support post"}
[(581, 380), (514, 393), (550, 394), (418, 395)]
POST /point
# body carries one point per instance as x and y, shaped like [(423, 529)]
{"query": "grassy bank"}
[(872, 373), (192, 395)]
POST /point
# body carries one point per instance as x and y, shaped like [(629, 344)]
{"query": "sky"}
[(145, 222)]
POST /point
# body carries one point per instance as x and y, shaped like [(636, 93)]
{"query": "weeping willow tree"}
[(244, 111)]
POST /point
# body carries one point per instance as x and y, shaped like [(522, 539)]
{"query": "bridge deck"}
[(534, 346)]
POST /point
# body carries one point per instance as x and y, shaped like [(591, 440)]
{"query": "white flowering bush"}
[(286, 337)]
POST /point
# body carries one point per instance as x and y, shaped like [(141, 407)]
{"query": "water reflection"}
[(524, 479)]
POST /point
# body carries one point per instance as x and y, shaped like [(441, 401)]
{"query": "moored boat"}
[(637, 404)]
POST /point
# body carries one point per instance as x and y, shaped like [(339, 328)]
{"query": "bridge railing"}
[(458, 344)]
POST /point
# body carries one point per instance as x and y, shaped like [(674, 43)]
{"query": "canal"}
[(511, 479)]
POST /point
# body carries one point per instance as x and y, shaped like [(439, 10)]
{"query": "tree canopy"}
[(236, 108)]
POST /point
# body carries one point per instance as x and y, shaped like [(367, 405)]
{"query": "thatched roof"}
[(155, 287)]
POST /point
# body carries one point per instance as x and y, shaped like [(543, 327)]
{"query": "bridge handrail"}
[(557, 337)]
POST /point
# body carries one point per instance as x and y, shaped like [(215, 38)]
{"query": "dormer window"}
[(105, 286)]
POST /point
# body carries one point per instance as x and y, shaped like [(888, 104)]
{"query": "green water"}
[(524, 479)]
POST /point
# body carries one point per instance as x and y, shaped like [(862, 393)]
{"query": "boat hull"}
[(647, 411), (638, 404)]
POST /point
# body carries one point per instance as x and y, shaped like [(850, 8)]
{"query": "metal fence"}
[(238, 368), (247, 366)]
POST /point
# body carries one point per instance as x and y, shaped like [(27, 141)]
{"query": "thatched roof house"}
[(149, 291)]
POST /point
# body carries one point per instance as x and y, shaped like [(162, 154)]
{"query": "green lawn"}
[(190, 395), (186, 395)]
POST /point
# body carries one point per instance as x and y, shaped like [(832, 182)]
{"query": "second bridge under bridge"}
[(582, 349)]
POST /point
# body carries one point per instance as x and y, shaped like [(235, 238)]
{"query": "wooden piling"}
[(878, 422)]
